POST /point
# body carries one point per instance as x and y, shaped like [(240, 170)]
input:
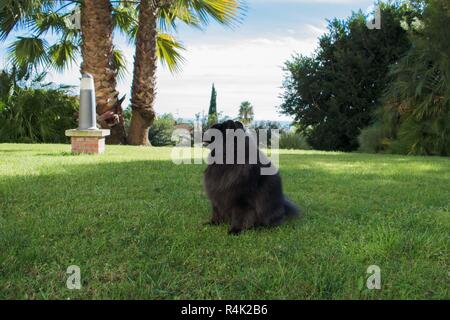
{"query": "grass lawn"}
[(133, 222)]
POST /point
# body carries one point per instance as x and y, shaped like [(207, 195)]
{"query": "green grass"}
[(133, 222)]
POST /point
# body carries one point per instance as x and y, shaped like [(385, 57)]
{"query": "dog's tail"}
[(291, 210)]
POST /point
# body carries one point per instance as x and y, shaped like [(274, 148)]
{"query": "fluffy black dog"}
[(240, 195)]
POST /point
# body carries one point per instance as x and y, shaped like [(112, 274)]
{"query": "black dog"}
[(240, 195)]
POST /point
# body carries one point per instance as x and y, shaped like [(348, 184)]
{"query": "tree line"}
[(161, 131), (245, 115), (380, 90)]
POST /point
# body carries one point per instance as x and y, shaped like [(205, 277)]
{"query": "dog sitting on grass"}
[(239, 193)]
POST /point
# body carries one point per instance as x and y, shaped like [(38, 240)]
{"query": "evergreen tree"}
[(334, 93), (212, 113)]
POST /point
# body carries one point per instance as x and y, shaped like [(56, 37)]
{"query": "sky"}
[(244, 62)]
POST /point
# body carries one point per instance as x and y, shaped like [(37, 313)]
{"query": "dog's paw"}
[(211, 223), (234, 231)]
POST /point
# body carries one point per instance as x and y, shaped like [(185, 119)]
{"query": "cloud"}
[(245, 64), (246, 69), (242, 69)]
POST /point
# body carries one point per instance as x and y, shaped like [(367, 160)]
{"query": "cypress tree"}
[(212, 113)]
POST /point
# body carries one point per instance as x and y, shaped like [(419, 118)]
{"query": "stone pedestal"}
[(88, 141)]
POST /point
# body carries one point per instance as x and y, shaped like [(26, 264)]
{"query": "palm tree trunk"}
[(144, 75), (97, 52)]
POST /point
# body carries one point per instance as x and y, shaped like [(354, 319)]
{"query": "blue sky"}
[(245, 63)]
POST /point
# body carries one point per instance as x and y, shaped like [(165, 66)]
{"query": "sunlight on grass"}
[(133, 222)]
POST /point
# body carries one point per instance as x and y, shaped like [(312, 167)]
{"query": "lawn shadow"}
[(13, 151), (114, 184), (136, 230), (63, 154)]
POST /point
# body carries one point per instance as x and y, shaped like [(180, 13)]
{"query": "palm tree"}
[(416, 112), (246, 113), (43, 16), (143, 89), (100, 57), (169, 13)]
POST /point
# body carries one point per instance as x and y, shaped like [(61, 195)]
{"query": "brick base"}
[(91, 145)]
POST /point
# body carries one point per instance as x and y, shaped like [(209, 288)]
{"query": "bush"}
[(266, 125), (127, 118), (415, 110), (371, 139), (293, 140), (37, 115), (160, 133), (425, 137)]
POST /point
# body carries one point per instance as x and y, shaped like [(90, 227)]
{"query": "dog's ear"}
[(217, 126), (229, 125), (238, 125)]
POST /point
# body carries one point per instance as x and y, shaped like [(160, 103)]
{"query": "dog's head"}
[(231, 125), (216, 137)]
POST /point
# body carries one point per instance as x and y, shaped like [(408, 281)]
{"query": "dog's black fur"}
[(240, 195)]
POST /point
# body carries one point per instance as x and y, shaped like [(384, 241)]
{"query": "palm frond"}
[(29, 52), (50, 21), (168, 51), (227, 12), (14, 14), (124, 18), (63, 54), (198, 13), (120, 63)]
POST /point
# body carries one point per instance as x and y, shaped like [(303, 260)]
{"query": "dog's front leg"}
[(239, 220), (217, 218)]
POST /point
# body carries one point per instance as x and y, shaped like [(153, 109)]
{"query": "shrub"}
[(415, 112), (371, 138), (266, 125), (293, 140), (160, 132), (37, 115), (425, 137)]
